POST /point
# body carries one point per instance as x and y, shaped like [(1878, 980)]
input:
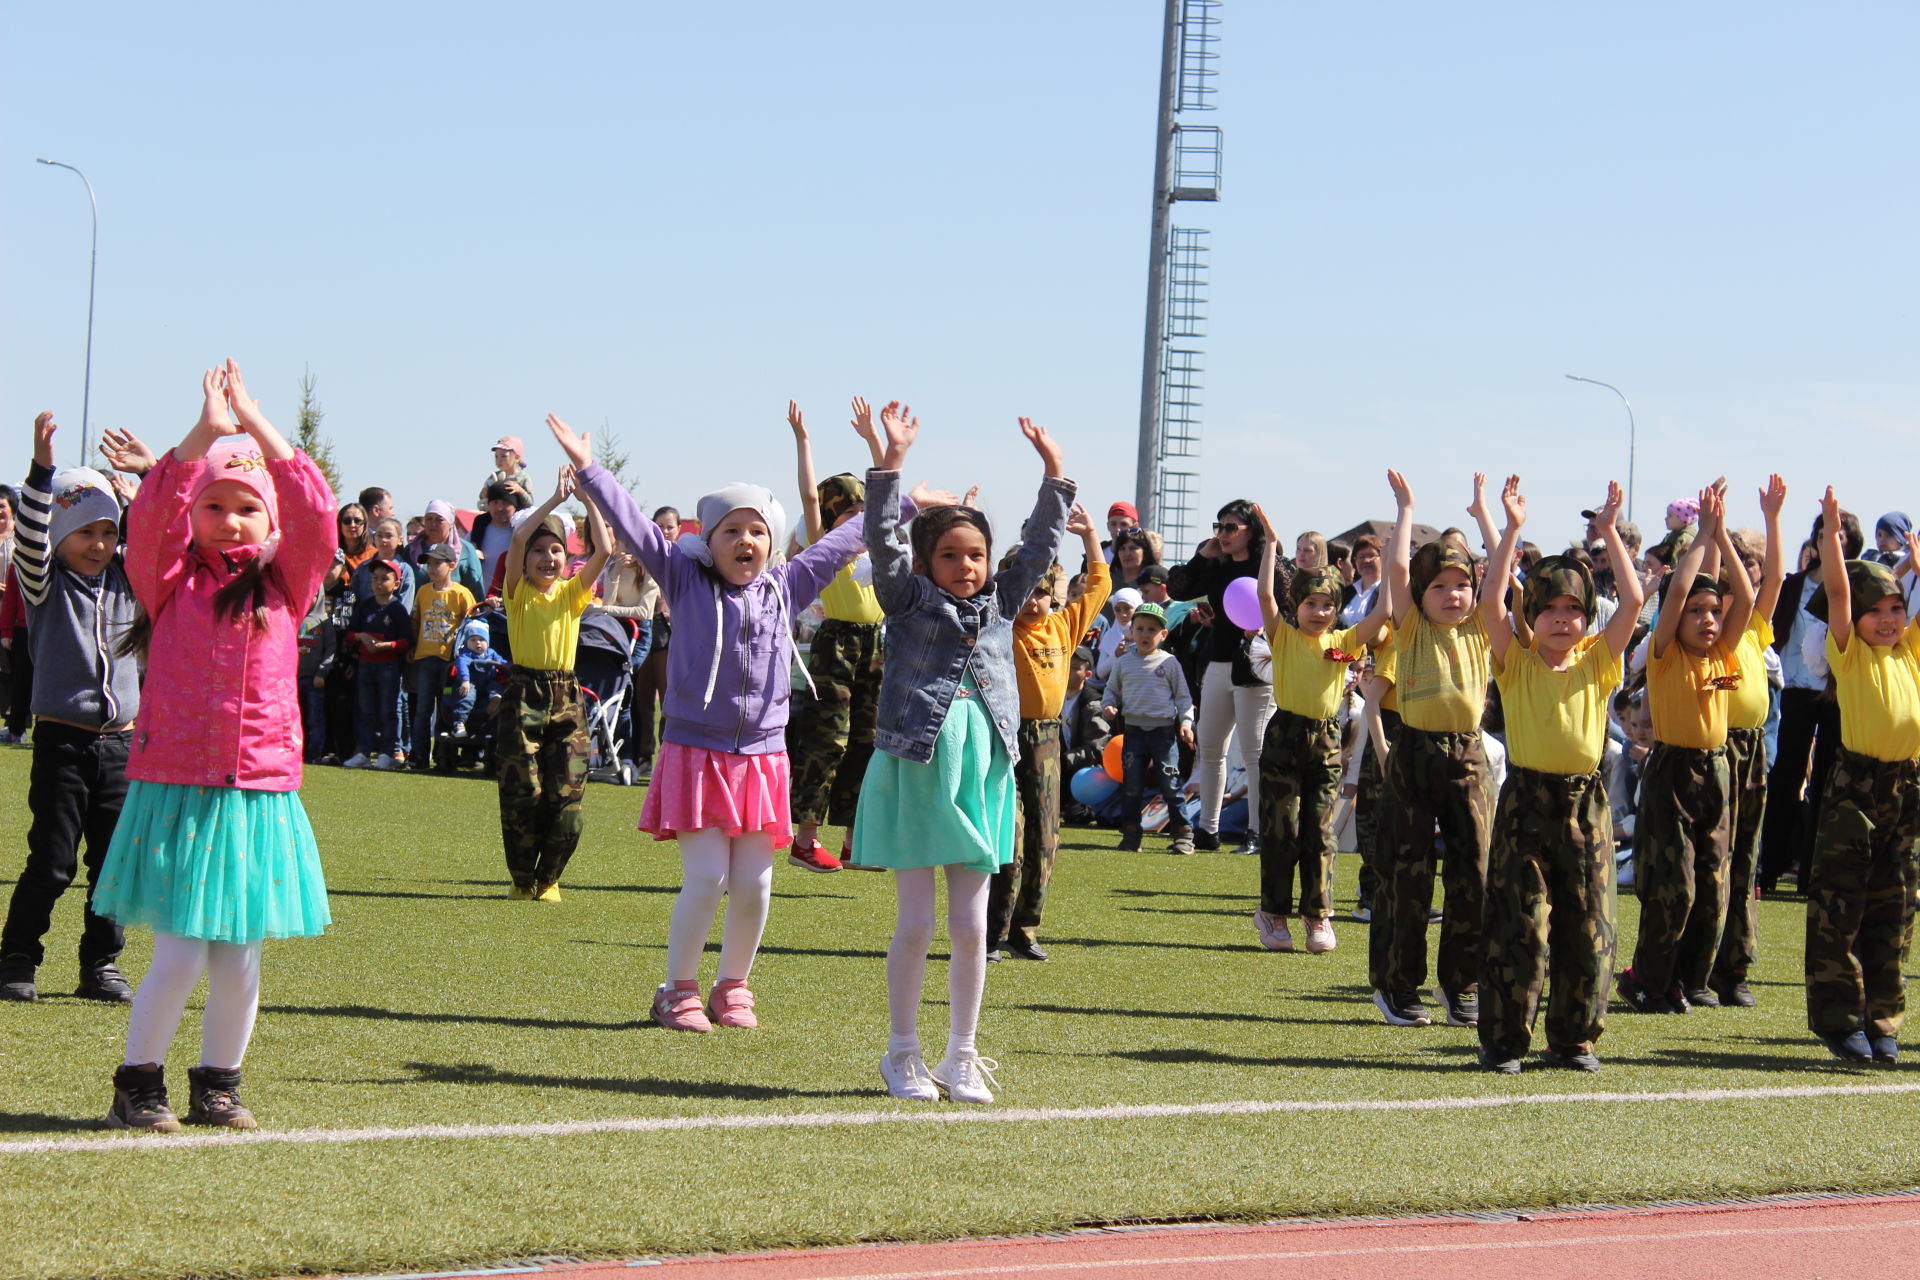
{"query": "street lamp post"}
[(1631, 432), (93, 265)]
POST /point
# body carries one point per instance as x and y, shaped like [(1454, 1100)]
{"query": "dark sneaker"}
[(1461, 1010), (1499, 1063), (1401, 1008), (1886, 1049), (103, 982), (1023, 950), (1677, 1000), (1703, 999), (1637, 997), (1569, 1060), (1182, 840), (1849, 1046), (1737, 995), (216, 1099), (1130, 840), (1205, 840), (140, 1102), (16, 979)]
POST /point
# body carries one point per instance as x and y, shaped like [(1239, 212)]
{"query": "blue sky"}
[(672, 218)]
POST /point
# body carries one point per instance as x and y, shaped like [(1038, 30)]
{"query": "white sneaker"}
[(906, 1076), (966, 1079), (1274, 934), (1320, 936), (358, 760), (386, 764)]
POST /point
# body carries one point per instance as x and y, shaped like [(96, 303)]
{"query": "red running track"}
[(1870, 1237)]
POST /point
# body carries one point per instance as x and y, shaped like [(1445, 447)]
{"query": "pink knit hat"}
[(238, 458)]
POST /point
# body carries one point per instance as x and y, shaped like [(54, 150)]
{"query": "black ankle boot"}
[(140, 1101), (215, 1094)]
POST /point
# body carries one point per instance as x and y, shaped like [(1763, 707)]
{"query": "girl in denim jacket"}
[(939, 789)]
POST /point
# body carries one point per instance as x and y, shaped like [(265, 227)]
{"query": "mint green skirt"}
[(956, 809), (218, 863)]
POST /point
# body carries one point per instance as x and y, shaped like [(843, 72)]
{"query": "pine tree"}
[(308, 438)]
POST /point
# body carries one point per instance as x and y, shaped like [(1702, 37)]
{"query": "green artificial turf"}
[(434, 1000)]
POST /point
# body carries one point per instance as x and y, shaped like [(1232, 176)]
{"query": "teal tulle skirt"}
[(217, 863), (956, 809)]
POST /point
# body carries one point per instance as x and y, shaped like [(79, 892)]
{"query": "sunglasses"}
[(352, 520), (1227, 526)]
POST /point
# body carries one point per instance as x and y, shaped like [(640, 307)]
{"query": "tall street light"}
[(93, 264), (1630, 431)]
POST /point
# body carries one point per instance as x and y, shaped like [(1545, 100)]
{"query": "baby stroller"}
[(475, 749), (603, 665)]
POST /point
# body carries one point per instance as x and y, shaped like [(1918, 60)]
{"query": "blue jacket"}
[(931, 636), (730, 670)]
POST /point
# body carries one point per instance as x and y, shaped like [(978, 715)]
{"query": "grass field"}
[(435, 1001)]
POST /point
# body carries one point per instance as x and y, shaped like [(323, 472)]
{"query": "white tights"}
[(715, 866), (907, 956), (233, 998), (1227, 710)]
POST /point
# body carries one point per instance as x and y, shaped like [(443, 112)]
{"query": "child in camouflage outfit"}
[(1550, 865), (1861, 902), (1681, 834)]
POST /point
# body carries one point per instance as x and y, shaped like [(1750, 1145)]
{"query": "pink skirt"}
[(694, 788)]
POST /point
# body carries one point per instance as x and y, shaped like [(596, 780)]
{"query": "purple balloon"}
[(1241, 600)]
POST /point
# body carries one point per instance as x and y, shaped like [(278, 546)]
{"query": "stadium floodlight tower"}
[(1186, 166)]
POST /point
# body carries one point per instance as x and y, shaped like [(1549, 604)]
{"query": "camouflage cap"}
[(1324, 581), (839, 495), (1551, 578), (1868, 584), (1431, 560)]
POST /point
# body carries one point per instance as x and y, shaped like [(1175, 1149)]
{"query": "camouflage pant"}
[(1299, 782), (1431, 778), (1860, 905), (1747, 800), (1366, 803), (830, 735), (540, 741), (1680, 866), (1018, 892), (1549, 913)]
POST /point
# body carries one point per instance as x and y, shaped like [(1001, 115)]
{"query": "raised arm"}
[(214, 419), (124, 451), (809, 486), (893, 577), (517, 548), (1482, 516), (1270, 616), (1400, 550), (864, 428), (1040, 536), (602, 536), (1773, 564), (1619, 632), (246, 411), (1833, 572), (1683, 575), (1498, 583), (1099, 585)]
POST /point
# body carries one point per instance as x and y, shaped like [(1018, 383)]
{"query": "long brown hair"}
[(245, 593)]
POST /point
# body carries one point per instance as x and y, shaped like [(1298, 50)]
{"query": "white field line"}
[(836, 1119), (1294, 1255)]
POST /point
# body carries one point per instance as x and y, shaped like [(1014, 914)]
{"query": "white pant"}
[(233, 999), (1227, 710), (907, 955), (716, 866)]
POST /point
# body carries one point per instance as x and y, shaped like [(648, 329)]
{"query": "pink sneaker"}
[(1320, 936), (731, 1004), (1274, 934), (677, 1008)]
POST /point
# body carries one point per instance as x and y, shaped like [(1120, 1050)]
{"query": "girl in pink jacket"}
[(227, 544)]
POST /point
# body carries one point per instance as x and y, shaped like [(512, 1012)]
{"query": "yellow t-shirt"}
[(1688, 697), (1442, 674), (543, 628), (1751, 701), (1307, 680), (1385, 668), (437, 615), (1879, 692), (1043, 651), (1557, 720), (846, 600)]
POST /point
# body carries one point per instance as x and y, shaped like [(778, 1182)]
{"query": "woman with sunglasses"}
[(1232, 698)]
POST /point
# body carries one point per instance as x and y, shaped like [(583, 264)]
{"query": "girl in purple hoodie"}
[(720, 781)]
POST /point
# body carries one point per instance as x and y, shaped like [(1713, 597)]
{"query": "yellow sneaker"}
[(519, 893), (548, 892)]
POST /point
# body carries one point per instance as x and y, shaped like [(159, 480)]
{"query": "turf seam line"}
[(832, 1119)]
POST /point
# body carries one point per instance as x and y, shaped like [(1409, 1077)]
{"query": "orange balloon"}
[(1110, 759)]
